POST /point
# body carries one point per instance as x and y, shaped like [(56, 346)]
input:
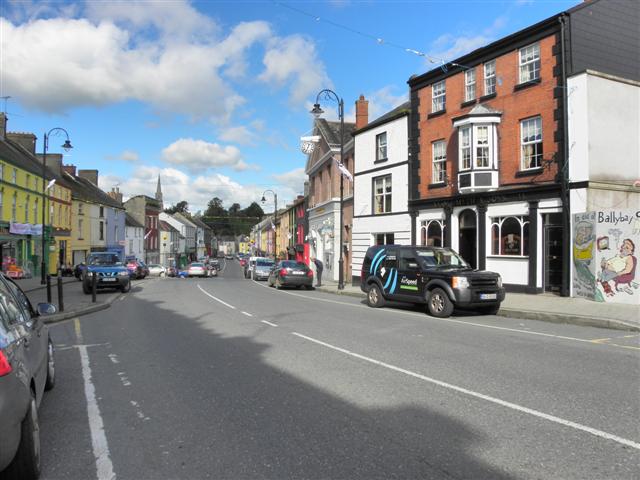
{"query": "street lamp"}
[(66, 146), (317, 112), (275, 219)]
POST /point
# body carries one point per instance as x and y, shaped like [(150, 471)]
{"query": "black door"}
[(553, 258), (468, 237), (409, 275)]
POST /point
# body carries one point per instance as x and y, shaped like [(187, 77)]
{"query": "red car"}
[(137, 268)]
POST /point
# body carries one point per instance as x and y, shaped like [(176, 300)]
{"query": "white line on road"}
[(216, 299), (513, 406), (269, 323), (247, 314)]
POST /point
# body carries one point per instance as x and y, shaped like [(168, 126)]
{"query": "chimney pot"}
[(362, 112)]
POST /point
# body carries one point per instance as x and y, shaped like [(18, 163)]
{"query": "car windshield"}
[(104, 259), (264, 263), (441, 258)]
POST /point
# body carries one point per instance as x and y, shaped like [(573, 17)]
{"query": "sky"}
[(213, 96)]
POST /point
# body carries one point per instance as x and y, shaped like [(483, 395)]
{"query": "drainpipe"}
[(565, 291)]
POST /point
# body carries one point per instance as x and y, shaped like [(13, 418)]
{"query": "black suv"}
[(438, 277)]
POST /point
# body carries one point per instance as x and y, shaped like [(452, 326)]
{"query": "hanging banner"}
[(25, 228)]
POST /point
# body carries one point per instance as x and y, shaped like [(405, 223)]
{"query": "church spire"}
[(159, 193)]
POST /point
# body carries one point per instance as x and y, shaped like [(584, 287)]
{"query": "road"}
[(227, 378)]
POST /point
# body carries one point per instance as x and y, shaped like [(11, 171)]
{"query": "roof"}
[(17, 155), (330, 131), (167, 227), (399, 111), (183, 219), (199, 223), (83, 189), (129, 221)]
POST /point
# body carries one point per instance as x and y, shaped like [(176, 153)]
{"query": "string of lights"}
[(444, 65)]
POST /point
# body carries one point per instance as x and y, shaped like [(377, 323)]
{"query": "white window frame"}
[(464, 148), (483, 144), (523, 220), (14, 176), (489, 77), (381, 147), (14, 208), (439, 161), (475, 144), (26, 209), (470, 85), (385, 196), (438, 96), (529, 63), (35, 211), (528, 142)]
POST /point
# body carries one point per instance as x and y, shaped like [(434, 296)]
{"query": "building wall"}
[(80, 231), (133, 246)]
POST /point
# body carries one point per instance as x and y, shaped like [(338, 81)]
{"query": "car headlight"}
[(459, 282), (499, 283), (123, 274)]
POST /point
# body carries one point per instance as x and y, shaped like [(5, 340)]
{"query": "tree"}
[(254, 210), (234, 210), (215, 208), (180, 207)]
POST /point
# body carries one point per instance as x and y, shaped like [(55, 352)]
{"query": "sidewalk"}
[(546, 307), (76, 302)]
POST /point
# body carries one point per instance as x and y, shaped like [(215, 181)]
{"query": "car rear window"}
[(264, 263), (197, 265)]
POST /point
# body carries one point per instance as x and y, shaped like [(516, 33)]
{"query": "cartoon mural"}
[(604, 256)]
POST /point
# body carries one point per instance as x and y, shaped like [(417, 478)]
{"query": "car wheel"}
[(309, 287), (51, 367), (374, 296), (126, 288), (492, 310), (26, 463), (439, 304), (85, 288)]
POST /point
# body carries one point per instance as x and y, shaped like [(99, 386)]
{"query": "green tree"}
[(180, 207)]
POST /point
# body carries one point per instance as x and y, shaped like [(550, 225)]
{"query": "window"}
[(384, 238), (130, 245), (79, 229), (490, 77), (115, 233), (381, 146), (510, 236), (530, 63), (438, 97), (1, 171), (1, 200), (465, 148), (14, 175), (28, 180), (101, 212), (482, 146), (477, 148), (80, 209), (432, 233), (531, 143), (382, 194), (14, 207), (101, 231), (10, 309), (439, 152), (469, 85), (35, 211), (26, 209)]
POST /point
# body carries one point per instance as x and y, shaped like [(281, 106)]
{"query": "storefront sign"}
[(25, 229)]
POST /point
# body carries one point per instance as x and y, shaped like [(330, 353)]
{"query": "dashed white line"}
[(513, 406), (216, 299), (247, 314), (269, 323)]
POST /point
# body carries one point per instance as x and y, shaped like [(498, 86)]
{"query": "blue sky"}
[(214, 95)]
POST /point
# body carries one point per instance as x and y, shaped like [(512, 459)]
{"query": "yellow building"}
[(60, 210)]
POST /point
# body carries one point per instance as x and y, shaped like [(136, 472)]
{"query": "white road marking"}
[(513, 406), (247, 314), (269, 323), (113, 357), (216, 299), (96, 426)]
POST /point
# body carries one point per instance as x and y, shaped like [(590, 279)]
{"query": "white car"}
[(157, 270), (197, 269)]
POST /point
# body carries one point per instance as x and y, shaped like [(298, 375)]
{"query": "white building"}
[(381, 213), (186, 228), (133, 238)]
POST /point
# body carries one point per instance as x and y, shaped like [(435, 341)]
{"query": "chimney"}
[(70, 169), (115, 194), (91, 175), (362, 112), (26, 140), (54, 162), (3, 126)]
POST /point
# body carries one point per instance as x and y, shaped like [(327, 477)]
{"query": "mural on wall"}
[(604, 256)]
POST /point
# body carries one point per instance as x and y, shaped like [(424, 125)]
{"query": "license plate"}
[(488, 296), (297, 273), (107, 279)]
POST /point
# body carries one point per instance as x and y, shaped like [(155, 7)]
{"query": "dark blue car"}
[(109, 271)]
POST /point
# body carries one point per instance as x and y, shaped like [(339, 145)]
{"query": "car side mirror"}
[(46, 309)]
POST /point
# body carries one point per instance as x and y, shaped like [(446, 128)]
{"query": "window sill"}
[(468, 103), (436, 114), (434, 186), (509, 257), (484, 98), (382, 160), (530, 83), (529, 173)]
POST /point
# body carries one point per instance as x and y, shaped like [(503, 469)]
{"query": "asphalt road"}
[(226, 378)]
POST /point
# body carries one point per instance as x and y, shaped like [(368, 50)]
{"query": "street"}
[(227, 378)]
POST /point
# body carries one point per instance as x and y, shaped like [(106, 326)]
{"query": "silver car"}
[(197, 269), (262, 268)]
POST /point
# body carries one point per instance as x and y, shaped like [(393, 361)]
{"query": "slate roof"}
[(330, 131), (83, 189), (15, 154), (167, 227), (129, 221), (397, 112), (199, 223)]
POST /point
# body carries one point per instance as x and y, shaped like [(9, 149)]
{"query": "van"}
[(437, 277)]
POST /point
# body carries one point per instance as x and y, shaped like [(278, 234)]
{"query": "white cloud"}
[(293, 181), (241, 135), (293, 60), (380, 102), (129, 156), (198, 155)]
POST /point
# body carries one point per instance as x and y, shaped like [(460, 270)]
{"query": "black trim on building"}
[(533, 247), (385, 167)]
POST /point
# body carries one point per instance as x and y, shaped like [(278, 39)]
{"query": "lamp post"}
[(275, 219), (317, 111), (66, 146)]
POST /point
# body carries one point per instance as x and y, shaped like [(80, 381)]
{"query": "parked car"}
[(212, 271), (172, 272), (263, 268), (109, 270), (137, 268), (197, 269), (437, 277), (78, 270), (289, 273), (157, 270), (27, 369)]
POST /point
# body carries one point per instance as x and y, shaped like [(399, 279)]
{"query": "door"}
[(467, 244), (409, 275), (553, 253)]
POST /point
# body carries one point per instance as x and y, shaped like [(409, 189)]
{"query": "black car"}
[(109, 271), (438, 277), (27, 369), (289, 273)]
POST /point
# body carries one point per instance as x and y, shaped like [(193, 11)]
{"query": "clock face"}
[(307, 147)]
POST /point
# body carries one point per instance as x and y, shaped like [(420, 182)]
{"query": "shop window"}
[(432, 233), (384, 238), (510, 236)]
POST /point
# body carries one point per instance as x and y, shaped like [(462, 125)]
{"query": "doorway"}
[(467, 244), (553, 252)]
